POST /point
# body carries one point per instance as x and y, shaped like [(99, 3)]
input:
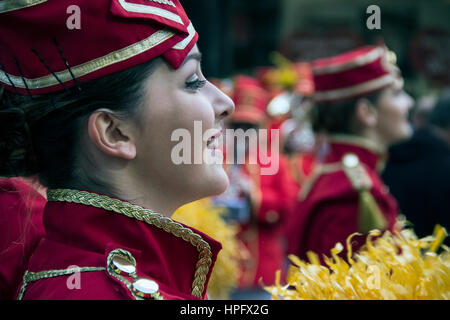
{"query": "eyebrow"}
[(197, 56)]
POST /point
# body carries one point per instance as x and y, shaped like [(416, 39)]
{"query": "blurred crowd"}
[(289, 212), (368, 158)]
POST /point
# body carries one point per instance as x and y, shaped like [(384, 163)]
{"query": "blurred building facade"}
[(239, 35)]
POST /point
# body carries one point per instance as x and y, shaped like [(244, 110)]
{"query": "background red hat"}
[(353, 74), (114, 35), (250, 99)]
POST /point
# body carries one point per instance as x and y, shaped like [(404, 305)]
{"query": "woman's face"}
[(175, 99), (392, 115)]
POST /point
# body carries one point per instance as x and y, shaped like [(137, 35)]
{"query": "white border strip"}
[(140, 8), (367, 58), (184, 43), (92, 65), (354, 90)]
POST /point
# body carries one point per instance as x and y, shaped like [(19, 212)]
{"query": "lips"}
[(214, 141)]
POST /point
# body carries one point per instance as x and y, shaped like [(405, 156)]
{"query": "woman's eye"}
[(194, 83)]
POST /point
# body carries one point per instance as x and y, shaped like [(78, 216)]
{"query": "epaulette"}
[(370, 216), (120, 265), (356, 173)]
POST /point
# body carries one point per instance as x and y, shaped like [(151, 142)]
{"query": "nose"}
[(222, 104)]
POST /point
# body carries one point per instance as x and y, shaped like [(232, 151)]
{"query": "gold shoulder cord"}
[(156, 219), (34, 276), (370, 216)]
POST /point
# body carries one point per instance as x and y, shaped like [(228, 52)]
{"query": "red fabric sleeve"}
[(276, 196), (333, 222), (21, 228)]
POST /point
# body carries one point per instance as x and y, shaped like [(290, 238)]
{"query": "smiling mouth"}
[(213, 142)]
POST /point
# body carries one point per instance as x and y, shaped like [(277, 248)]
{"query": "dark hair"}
[(41, 136), (338, 117), (440, 115)]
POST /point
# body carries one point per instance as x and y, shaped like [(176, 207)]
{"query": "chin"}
[(217, 181), (402, 135)]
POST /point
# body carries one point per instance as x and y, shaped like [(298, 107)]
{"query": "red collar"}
[(372, 155), (76, 219)]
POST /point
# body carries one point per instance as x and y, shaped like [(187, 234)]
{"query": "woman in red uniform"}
[(91, 111), (362, 108), (21, 211)]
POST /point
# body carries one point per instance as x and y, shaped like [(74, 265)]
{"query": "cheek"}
[(158, 121), (162, 119), (393, 110), (393, 120)]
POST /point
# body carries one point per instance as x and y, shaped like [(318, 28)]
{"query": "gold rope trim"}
[(184, 43), (156, 219), (146, 9), (35, 276), (93, 65), (167, 2), (12, 5)]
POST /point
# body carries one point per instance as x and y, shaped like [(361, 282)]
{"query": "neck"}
[(375, 138), (368, 151), (150, 197), (123, 186), (119, 179), (362, 141)]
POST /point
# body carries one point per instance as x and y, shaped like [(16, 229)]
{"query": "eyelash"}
[(196, 84)]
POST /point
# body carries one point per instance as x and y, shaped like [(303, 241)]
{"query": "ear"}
[(366, 113), (110, 135)]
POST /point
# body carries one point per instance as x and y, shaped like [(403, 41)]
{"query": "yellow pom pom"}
[(396, 266)]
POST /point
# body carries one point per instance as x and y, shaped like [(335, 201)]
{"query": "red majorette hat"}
[(250, 99), (40, 54), (354, 74)]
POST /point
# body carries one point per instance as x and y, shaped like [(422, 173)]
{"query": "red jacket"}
[(21, 209), (97, 234), (263, 235), (331, 205), (301, 166)]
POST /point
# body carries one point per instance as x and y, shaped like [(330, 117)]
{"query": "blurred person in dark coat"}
[(418, 172)]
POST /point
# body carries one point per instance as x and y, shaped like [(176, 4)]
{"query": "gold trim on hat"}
[(152, 218), (12, 5), (146, 9), (93, 65), (363, 60), (361, 88), (184, 43), (168, 2)]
